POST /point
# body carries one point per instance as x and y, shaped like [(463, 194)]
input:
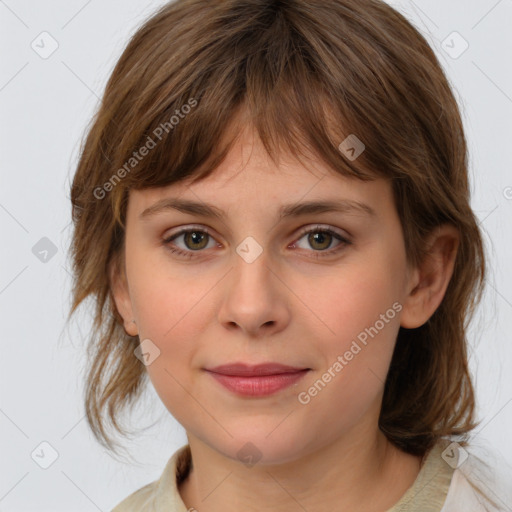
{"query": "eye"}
[(195, 239), (320, 238)]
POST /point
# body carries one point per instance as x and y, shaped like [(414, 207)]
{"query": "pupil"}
[(196, 236), (319, 238)]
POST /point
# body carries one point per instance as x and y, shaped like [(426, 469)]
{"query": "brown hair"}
[(305, 74)]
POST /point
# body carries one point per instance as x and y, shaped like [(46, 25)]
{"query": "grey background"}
[(45, 105)]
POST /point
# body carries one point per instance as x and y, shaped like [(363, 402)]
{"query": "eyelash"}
[(318, 229)]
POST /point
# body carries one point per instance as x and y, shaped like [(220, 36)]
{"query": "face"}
[(319, 290)]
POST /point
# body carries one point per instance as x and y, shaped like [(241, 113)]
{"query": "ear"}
[(120, 293), (428, 282)]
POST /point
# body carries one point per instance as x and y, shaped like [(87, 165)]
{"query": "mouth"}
[(256, 380)]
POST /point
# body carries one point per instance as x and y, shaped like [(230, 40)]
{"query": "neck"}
[(366, 473)]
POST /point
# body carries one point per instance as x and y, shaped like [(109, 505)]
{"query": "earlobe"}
[(429, 281), (120, 293)]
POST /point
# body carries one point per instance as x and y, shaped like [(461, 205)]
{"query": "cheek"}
[(170, 311), (360, 313), (347, 302), (350, 381), (173, 321), (168, 302)]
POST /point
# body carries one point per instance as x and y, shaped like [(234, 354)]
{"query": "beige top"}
[(436, 482)]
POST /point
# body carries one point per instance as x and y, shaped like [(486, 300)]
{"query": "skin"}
[(288, 307)]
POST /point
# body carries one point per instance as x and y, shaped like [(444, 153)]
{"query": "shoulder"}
[(162, 495), (140, 500), (455, 479), (481, 482)]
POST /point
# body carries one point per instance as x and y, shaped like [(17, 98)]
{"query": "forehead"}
[(249, 179)]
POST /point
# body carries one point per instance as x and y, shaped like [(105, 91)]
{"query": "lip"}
[(257, 370), (256, 380)]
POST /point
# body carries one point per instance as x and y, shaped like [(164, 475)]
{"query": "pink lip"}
[(258, 380)]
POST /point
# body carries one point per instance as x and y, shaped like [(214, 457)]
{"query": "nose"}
[(254, 298)]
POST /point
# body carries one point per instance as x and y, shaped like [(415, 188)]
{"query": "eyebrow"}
[(289, 210)]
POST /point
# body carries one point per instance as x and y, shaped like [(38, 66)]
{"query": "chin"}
[(258, 447)]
